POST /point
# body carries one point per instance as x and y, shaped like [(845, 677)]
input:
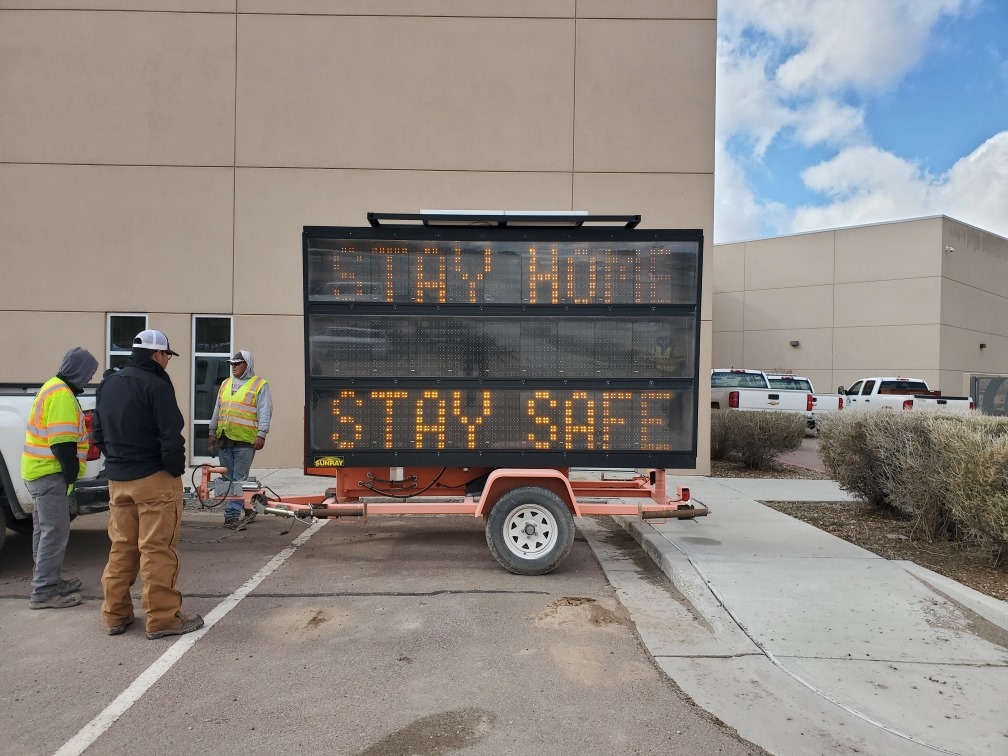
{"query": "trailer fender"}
[(506, 479)]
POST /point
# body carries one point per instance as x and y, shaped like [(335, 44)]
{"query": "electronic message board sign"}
[(501, 346)]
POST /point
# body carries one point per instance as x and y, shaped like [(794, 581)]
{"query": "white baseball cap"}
[(153, 340)]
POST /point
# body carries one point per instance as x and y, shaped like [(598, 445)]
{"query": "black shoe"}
[(234, 523)]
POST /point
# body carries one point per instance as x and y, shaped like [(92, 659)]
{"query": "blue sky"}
[(835, 113)]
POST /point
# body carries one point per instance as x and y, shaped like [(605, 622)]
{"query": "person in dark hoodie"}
[(240, 422), (138, 426), (54, 456)]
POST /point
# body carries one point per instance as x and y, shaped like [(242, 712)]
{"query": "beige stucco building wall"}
[(165, 161), (914, 297)]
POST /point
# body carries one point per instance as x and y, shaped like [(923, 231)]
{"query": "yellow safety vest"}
[(238, 418), (56, 418)]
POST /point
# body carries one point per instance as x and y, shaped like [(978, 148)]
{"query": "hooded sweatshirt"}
[(76, 370), (264, 404)]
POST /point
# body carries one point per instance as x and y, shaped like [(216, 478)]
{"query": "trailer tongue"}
[(477, 363)]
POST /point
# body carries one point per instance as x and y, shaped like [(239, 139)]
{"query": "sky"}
[(834, 113)]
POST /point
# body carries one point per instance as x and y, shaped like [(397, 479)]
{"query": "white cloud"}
[(801, 73), (868, 185), (828, 122), (738, 213), (841, 44)]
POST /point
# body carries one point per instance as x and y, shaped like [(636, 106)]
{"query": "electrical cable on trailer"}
[(391, 495), (218, 500), (203, 505)]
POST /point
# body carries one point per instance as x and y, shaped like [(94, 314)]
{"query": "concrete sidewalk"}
[(808, 644), (803, 642)]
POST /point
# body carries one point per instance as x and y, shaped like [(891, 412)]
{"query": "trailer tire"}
[(530, 530)]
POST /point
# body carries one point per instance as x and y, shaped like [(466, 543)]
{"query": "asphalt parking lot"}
[(401, 635)]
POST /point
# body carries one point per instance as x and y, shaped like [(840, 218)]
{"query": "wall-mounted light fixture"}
[(982, 345), (795, 343)]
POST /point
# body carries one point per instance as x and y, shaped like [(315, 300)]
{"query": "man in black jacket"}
[(138, 426)]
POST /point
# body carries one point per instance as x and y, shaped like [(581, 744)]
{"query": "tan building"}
[(157, 166), (926, 298)]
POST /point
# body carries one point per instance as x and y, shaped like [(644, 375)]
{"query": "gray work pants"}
[(50, 533)]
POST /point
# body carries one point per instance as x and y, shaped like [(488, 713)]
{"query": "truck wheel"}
[(529, 531), (24, 527)]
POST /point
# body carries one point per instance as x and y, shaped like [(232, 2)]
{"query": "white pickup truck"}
[(894, 392), (822, 404), (751, 390), (16, 504)]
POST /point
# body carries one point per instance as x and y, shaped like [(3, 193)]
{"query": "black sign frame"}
[(316, 386)]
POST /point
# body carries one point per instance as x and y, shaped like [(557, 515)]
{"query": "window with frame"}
[(122, 329), (213, 338)]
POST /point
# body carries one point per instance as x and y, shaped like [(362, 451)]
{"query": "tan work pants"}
[(145, 517)]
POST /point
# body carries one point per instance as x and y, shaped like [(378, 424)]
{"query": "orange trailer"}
[(478, 363)]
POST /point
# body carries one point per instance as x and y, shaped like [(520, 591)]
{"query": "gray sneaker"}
[(121, 627), (66, 587), (195, 622), (56, 601)]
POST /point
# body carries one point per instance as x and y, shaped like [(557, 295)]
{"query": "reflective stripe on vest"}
[(56, 418), (238, 418)]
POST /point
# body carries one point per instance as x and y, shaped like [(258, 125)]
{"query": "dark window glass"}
[(200, 434), (213, 335), (123, 329), (208, 375)]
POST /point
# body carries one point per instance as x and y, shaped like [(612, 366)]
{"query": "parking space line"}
[(94, 729)]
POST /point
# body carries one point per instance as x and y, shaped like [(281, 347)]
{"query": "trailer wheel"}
[(529, 531)]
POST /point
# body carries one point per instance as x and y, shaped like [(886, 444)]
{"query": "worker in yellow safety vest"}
[(240, 422), (54, 457)]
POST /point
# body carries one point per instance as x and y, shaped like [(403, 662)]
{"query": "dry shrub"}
[(847, 456), (969, 470), (719, 426), (947, 472), (755, 438)]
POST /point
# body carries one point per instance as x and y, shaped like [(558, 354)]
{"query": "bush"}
[(754, 438), (848, 458), (969, 471), (947, 472)]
